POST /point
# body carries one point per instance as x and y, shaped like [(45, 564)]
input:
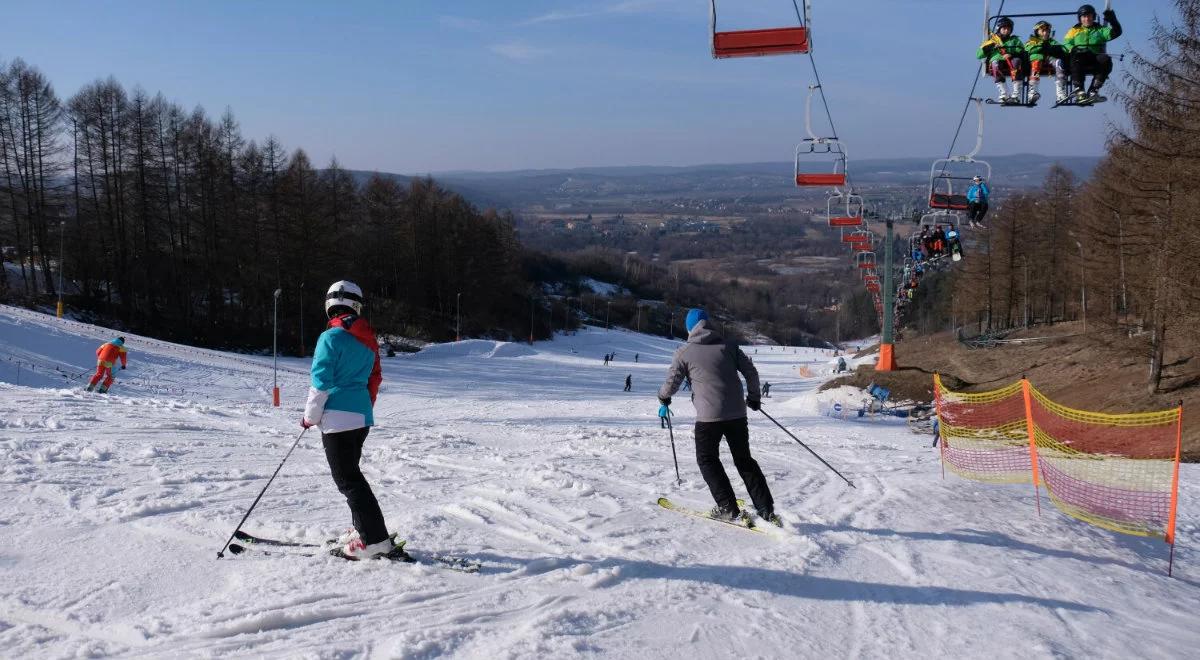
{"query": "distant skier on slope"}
[(106, 359), (345, 381), (629, 382), (713, 365)]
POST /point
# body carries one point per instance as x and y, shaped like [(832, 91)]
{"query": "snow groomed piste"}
[(536, 465)]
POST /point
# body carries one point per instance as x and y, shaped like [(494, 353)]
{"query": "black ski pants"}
[(1097, 64), (976, 211), (708, 447), (343, 451)]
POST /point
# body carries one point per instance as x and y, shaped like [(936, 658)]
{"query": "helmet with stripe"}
[(343, 294)]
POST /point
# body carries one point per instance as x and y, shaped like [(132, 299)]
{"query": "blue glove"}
[(663, 411)]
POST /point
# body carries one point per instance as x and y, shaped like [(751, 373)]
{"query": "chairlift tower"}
[(887, 355)]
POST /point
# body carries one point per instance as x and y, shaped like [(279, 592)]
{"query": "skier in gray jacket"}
[(713, 366)]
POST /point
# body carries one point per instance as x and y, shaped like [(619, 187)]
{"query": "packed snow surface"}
[(533, 461)]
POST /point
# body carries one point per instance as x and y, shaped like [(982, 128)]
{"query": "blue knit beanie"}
[(695, 316)]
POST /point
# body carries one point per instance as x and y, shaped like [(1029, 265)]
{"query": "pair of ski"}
[(265, 546), (746, 521)]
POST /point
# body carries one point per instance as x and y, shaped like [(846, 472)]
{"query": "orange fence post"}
[(1170, 536), (1032, 441), (275, 396), (937, 415)]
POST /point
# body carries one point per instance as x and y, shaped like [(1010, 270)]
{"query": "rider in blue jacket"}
[(977, 201)]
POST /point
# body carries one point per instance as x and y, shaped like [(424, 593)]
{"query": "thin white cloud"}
[(519, 50), (625, 7), (461, 23)]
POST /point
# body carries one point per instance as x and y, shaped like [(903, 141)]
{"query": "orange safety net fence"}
[(984, 435), (1116, 471), (1113, 471)]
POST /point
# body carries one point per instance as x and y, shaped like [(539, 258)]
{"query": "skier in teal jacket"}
[(345, 381)]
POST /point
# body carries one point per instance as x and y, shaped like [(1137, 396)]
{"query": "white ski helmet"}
[(345, 294)]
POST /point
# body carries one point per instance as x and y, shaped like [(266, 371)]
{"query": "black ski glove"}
[(122, 366), (665, 400), (753, 404)]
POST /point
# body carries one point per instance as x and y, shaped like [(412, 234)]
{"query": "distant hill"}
[(524, 188)]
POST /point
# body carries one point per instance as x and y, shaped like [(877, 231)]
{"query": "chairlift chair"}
[(946, 171), (942, 217), (989, 28), (844, 210), (757, 43), (825, 149)]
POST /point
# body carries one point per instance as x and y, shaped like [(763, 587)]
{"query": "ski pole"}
[(808, 448), (671, 430), (221, 552)]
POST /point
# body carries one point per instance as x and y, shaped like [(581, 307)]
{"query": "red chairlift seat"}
[(948, 201), (866, 265), (757, 43), (835, 179), (760, 42), (845, 221)]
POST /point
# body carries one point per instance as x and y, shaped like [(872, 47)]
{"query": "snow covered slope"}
[(533, 461)]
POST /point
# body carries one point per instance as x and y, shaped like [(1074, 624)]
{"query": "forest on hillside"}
[(172, 223), (1118, 251)]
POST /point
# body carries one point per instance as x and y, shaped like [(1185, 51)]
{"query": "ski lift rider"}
[(1046, 55), (1005, 55), (1087, 44), (977, 201)]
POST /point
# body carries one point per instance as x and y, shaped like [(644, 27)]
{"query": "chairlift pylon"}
[(757, 43)]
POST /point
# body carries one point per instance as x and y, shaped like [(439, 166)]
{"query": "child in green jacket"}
[(1046, 56), (1087, 44), (1005, 55)]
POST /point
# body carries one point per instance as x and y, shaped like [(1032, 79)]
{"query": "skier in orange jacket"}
[(106, 358)]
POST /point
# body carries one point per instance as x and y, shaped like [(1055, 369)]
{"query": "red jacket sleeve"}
[(375, 379), (123, 354)]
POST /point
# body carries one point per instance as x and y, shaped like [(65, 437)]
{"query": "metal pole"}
[(1026, 299), (671, 430), (303, 346), (608, 317), (1082, 287), (275, 353), (458, 317), (221, 552), (1121, 257), (62, 251), (532, 311), (808, 448)]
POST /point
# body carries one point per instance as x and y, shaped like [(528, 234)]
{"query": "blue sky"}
[(427, 86)]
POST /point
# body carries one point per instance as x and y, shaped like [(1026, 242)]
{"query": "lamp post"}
[(303, 347), (1025, 300), (458, 317), (62, 242), (275, 348), (1082, 287)]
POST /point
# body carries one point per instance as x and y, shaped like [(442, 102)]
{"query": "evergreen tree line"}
[(172, 223), (1118, 251), (175, 224)]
